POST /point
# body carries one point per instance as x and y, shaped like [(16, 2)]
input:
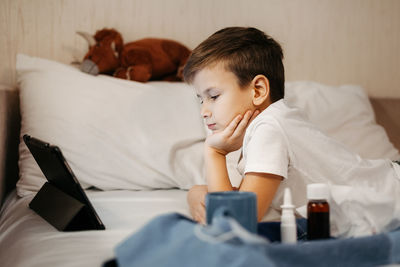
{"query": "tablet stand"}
[(61, 210)]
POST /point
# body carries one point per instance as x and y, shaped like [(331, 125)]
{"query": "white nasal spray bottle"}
[(288, 221)]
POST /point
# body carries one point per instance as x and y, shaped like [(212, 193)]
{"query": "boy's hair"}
[(247, 52)]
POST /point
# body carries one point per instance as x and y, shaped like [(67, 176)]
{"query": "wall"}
[(334, 42)]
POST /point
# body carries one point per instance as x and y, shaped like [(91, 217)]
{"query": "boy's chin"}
[(213, 131)]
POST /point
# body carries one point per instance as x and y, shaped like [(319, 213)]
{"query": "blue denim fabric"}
[(174, 240)]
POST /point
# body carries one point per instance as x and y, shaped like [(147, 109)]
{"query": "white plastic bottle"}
[(288, 220)]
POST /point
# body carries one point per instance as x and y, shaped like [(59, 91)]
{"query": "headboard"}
[(9, 139)]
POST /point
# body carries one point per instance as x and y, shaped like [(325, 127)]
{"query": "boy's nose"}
[(205, 112)]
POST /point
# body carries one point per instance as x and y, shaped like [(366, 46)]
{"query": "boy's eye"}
[(214, 97)]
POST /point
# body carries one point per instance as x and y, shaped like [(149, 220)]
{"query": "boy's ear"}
[(260, 85)]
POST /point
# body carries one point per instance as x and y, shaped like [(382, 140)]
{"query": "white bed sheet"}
[(28, 240)]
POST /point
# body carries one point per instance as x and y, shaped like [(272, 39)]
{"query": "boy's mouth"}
[(211, 126)]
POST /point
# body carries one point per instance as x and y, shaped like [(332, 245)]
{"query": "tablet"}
[(59, 174)]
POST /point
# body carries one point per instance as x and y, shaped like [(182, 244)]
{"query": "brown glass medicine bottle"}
[(318, 226)]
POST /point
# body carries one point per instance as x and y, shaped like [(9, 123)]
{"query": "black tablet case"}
[(61, 201)]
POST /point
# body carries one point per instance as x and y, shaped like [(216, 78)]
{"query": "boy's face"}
[(221, 97)]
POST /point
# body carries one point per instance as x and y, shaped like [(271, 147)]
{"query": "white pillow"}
[(344, 113), (116, 134)]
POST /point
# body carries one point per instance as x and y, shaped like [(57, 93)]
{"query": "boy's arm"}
[(218, 145), (196, 200), (264, 185), (216, 171)]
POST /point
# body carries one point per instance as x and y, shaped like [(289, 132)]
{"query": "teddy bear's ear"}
[(108, 34), (88, 37)]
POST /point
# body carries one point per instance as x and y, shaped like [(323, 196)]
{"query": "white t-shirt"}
[(365, 194)]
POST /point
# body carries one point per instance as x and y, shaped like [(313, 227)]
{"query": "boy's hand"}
[(196, 197), (231, 138)]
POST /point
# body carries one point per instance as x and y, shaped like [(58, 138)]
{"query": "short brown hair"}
[(247, 52)]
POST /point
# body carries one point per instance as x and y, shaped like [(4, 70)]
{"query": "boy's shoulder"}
[(276, 110), (268, 118), (278, 115)]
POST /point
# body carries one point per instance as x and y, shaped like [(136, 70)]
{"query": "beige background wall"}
[(330, 41)]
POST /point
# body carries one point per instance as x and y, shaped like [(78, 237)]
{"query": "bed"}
[(137, 148)]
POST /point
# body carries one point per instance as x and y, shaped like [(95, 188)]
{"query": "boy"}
[(238, 75)]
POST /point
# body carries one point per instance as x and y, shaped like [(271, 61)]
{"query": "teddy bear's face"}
[(101, 58), (104, 49)]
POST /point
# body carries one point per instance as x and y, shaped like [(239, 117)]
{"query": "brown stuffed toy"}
[(142, 60)]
